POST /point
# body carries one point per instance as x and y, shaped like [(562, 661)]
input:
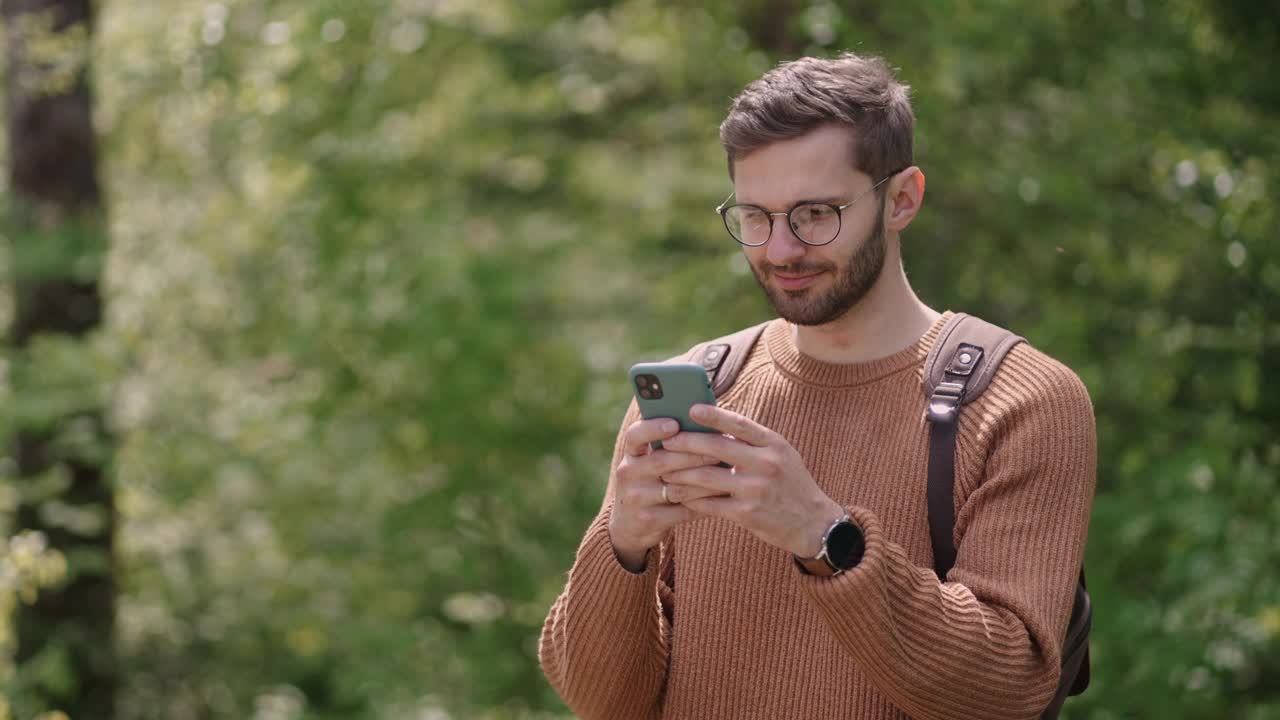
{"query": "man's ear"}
[(902, 202)]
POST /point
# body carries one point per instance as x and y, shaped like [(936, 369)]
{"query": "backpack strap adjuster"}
[(964, 360), (713, 357), (723, 358)]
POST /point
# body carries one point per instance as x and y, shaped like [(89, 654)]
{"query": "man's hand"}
[(641, 517), (768, 491)]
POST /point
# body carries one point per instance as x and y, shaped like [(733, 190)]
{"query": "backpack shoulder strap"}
[(991, 341), (724, 357), (958, 369)]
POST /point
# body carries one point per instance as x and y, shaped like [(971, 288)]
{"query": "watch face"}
[(844, 545)]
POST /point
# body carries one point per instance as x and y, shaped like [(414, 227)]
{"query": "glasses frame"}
[(723, 211)]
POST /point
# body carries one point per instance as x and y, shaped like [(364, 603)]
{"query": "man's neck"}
[(887, 320)]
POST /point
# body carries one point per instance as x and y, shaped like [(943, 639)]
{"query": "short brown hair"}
[(798, 96)]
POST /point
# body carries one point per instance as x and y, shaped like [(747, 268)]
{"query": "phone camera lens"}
[(644, 393), (642, 380)]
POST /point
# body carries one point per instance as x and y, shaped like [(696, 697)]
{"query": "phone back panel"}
[(683, 386)]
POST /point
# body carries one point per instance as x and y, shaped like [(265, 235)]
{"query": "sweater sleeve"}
[(604, 643), (986, 644)]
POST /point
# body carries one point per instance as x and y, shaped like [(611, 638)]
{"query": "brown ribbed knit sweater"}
[(722, 625)]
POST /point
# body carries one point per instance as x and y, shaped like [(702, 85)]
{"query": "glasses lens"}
[(814, 223), (748, 225)]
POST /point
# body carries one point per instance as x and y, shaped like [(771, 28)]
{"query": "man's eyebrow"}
[(829, 200)]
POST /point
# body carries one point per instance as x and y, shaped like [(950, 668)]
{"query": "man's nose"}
[(783, 248)]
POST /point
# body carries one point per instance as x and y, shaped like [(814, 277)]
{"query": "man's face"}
[(810, 285)]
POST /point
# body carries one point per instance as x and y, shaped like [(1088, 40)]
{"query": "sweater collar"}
[(788, 358)]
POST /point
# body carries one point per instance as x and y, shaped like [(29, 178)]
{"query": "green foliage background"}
[(378, 269)]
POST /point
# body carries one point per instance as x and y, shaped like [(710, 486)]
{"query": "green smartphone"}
[(668, 390)]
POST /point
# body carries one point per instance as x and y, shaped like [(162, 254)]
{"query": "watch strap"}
[(821, 564)]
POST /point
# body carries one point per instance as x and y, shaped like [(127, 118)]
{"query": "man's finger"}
[(668, 461), (662, 462), (719, 506), (731, 450), (732, 423), (672, 513), (680, 493), (718, 480), (637, 438)]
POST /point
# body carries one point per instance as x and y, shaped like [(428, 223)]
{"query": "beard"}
[(853, 281)]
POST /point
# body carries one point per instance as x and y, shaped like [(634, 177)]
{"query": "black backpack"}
[(959, 367)]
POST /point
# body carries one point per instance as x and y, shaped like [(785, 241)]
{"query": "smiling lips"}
[(795, 282)]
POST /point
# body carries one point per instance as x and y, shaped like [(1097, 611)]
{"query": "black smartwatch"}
[(842, 548)]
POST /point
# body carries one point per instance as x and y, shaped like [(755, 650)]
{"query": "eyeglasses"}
[(812, 223)]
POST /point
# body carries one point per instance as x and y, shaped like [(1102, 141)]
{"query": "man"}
[(690, 595)]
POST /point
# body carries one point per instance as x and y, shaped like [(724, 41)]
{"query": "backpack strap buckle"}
[(944, 404)]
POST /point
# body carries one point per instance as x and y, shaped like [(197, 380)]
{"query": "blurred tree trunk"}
[(54, 222)]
